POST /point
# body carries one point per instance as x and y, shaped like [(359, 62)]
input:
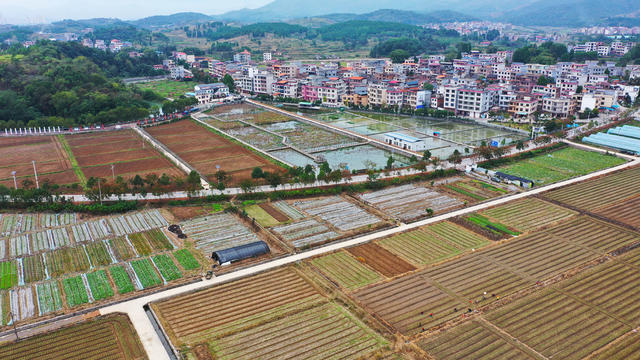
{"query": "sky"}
[(41, 11)]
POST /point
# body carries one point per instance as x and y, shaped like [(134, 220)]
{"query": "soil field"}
[(409, 304), (381, 260), (52, 162), (528, 214), (107, 337), (473, 189), (124, 149), (189, 319), (275, 213), (205, 150), (472, 340), (601, 192)]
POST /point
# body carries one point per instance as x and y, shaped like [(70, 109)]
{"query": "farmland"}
[(346, 270), (561, 165), (601, 192), (473, 189), (123, 151), (52, 162), (381, 259), (433, 243), (217, 232), (108, 337), (274, 315), (528, 214), (409, 202), (206, 151)]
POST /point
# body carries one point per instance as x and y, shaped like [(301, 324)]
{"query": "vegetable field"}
[(106, 337), (8, 274), (528, 214), (67, 260), (474, 189), (186, 259), (167, 267), (346, 270), (146, 273), (121, 279), (75, 291), (49, 298), (99, 285)]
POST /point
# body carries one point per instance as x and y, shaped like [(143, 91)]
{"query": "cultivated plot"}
[(107, 337), (52, 162), (528, 214), (218, 232), (208, 152), (409, 202), (118, 153)]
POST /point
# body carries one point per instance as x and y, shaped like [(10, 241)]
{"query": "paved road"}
[(150, 339)]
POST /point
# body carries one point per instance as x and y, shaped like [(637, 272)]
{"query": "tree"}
[(246, 186), (390, 162), (579, 89), (520, 145), (456, 157), (427, 86), (398, 56), (464, 47), (274, 179), (426, 155), (193, 179), (228, 80), (429, 212), (257, 173), (545, 80)]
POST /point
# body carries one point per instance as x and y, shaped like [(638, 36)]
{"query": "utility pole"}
[(15, 182), (99, 191), (113, 173), (15, 329), (35, 172)]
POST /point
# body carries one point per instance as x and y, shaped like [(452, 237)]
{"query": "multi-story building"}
[(243, 57), (559, 107), (524, 106), (205, 93)]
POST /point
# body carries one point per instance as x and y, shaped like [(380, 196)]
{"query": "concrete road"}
[(151, 340)]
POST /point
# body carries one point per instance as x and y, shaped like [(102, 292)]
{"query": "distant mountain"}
[(521, 12), (174, 20), (291, 9), (391, 15)]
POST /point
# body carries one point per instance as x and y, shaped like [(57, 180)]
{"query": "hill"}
[(387, 15), (571, 13), (173, 20)]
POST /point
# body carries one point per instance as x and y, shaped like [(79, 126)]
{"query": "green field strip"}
[(72, 159), (465, 192), (186, 259)]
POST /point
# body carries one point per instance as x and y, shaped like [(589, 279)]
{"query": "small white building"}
[(266, 56), (206, 93), (404, 141)]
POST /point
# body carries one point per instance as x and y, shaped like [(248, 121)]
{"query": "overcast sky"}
[(39, 11)]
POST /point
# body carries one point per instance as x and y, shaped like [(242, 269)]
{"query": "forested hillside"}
[(66, 84)]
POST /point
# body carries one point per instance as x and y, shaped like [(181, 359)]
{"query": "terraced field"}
[(107, 337), (528, 214), (346, 270), (433, 243)]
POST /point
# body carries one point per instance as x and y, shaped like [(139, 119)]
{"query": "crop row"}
[(340, 213), (528, 214), (346, 270), (217, 232)]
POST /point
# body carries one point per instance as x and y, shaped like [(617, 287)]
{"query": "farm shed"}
[(515, 179), (241, 252), (626, 130)]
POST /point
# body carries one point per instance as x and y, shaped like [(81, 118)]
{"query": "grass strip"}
[(486, 223), (464, 192), (72, 159)]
